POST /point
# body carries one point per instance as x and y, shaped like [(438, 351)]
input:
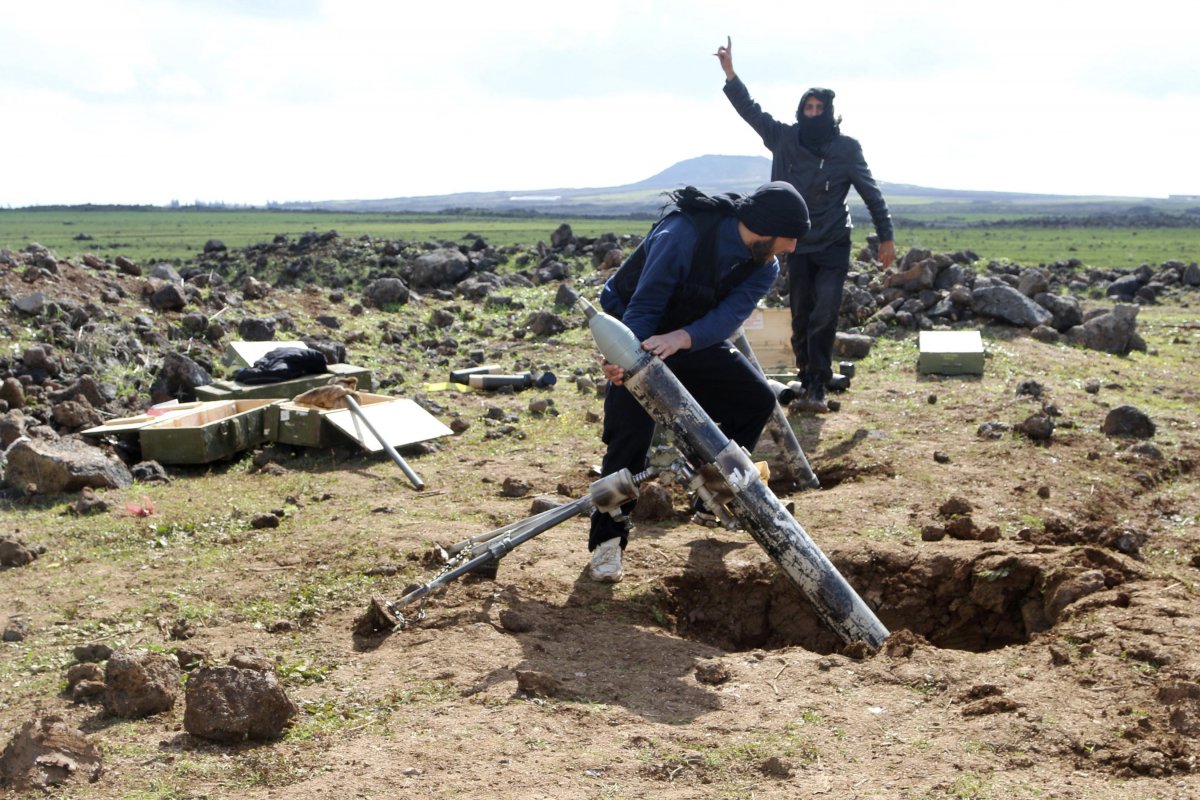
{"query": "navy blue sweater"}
[(669, 251)]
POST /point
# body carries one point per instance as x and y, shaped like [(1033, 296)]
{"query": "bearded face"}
[(764, 250)]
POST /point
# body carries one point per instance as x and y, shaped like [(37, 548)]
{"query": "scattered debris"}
[(15, 553), (47, 752)]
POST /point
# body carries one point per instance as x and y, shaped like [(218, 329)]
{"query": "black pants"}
[(724, 383), (815, 283)]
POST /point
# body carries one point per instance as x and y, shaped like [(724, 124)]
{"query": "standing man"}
[(813, 156), (683, 293)]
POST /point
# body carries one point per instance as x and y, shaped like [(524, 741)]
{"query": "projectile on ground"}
[(463, 375), (523, 380), (754, 505)]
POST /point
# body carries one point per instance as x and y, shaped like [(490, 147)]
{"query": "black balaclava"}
[(819, 130)]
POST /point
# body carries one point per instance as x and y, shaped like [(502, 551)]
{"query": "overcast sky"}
[(149, 101)]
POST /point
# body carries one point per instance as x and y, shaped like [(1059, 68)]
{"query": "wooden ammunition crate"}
[(950, 353), (211, 432), (309, 426), (769, 332)]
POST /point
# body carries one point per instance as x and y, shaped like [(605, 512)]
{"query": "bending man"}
[(686, 289)]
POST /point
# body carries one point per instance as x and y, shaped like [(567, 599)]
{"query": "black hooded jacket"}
[(824, 179)]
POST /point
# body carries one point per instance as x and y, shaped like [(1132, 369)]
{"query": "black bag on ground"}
[(283, 364)]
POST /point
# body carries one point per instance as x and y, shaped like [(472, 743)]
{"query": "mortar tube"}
[(754, 505)]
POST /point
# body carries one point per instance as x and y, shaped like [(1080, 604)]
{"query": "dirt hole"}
[(733, 597)]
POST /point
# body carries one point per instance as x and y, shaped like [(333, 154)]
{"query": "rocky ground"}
[(1028, 536)]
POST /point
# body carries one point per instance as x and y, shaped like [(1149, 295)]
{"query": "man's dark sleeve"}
[(868, 190), (763, 123)]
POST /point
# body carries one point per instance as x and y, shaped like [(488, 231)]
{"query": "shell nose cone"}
[(615, 340)]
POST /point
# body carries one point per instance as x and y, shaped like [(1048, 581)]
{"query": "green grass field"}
[(1097, 247), (168, 234), (179, 234)]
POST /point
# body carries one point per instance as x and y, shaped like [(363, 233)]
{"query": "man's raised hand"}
[(725, 56)]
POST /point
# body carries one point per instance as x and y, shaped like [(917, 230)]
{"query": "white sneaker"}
[(606, 562)]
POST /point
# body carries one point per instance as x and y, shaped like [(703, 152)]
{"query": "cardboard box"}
[(400, 422), (308, 426), (769, 332), (950, 353), (232, 390), (210, 432)]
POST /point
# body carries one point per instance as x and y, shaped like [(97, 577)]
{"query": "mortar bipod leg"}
[(357, 411), (496, 549), (779, 428), (693, 482), (483, 538), (607, 494)]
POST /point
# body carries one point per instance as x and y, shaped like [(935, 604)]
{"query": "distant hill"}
[(717, 173), (708, 173), (711, 174)]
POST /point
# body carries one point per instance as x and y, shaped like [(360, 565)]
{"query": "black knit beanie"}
[(775, 209)]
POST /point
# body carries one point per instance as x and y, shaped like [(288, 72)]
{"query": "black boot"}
[(813, 400)]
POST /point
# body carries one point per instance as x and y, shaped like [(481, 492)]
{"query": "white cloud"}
[(139, 101)]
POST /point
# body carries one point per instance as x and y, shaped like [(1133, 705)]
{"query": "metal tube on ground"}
[(357, 411), (784, 393), (754, 505)]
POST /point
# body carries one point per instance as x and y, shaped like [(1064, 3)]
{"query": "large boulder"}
[(852, 345), (1064, 308), (37, 466), (562, 236), (1128, 421), (15, 553), (233, 704), (178, 378), (1113, 332), (443, 267), (138, 684), (385, 291), (1125, 288), (32, 304), (256, 329), (12, 392), (1033, 282), (12, 427), (1008, 305), (169, 297)]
